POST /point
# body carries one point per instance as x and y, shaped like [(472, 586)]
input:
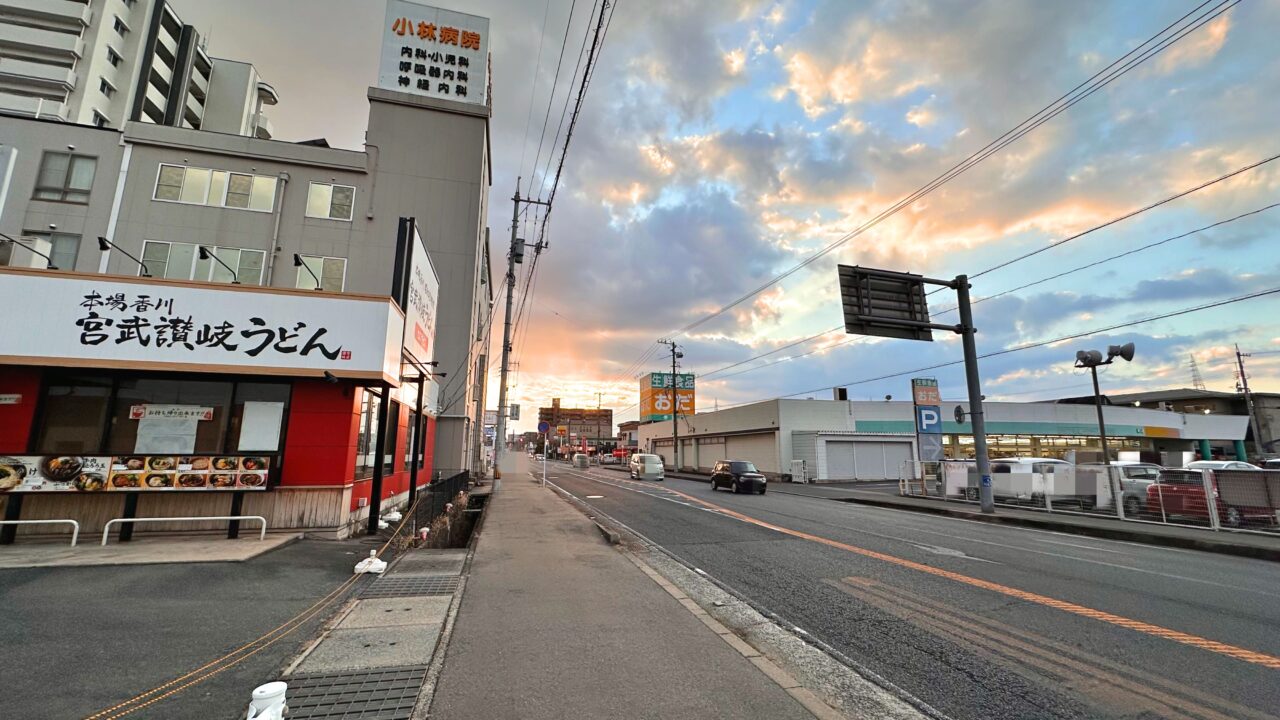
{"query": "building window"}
[(113, 57), (99, 120), (331, 202), (181, 261), (65, 177), (105, 87), (331, 271), (130, 3), (63, 248), (120, 27), (215, 188), (367, 439)]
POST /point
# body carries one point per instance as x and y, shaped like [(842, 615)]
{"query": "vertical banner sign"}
[(434, 52), (927, 401), (417, 290), (655, 396)]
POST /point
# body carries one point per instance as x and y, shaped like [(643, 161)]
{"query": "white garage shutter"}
[(839, 461), (759, 449), (894, 455), (868, 461)]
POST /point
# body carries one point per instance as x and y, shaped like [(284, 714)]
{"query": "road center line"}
[(1239, 653)]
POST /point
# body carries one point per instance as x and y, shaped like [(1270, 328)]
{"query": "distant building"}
[(596, 425), (1191, 401), (629, 434)]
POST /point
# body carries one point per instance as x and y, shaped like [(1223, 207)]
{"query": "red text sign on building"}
[(924, 391)]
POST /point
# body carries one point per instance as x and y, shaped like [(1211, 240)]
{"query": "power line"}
[(551, 98), (1037, 344), (533, 84), (1026, 126), (1035, 282)]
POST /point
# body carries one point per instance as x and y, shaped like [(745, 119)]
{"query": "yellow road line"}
[(1239, 653)]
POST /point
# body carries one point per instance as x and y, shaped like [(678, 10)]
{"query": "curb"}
[(1107, 533), (610, 535)]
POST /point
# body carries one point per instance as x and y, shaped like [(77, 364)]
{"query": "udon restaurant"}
[(137, 397)]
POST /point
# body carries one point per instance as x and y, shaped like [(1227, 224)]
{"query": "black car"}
[(738, 476)]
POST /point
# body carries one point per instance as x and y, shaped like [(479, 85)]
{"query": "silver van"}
[(646, 467)]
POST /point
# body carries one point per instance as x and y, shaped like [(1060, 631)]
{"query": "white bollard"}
[(268, 702)]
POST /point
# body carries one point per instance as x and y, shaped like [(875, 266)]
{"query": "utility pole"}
[(1248, 401), (514, 255), (986, 495), (675, 407)]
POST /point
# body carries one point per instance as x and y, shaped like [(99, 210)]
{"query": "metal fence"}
[(1240, 500), (434, 498)]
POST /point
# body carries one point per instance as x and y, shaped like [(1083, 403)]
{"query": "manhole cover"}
[(386, 694), (393, 586)]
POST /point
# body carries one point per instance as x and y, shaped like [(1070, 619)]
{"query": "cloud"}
[(1198, 48)]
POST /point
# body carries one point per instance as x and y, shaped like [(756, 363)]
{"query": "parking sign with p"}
[(929, 419)]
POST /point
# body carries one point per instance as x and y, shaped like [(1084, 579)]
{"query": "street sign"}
[(930, 448), (884, 303), (544, 427), (515, 412), (562, 430), (928, 419), (924, 391)]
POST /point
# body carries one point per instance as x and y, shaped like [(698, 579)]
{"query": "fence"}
[(1242, 500), (432, 499)]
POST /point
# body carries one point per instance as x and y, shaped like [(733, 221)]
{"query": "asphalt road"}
[(78, 640), (980, 620)]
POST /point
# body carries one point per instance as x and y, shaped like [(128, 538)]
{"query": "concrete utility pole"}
[(1248, 402), (675, 407), (986, 495), (514, 255)]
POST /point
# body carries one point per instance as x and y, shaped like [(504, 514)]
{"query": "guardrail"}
[(106, 529), (75, 526)]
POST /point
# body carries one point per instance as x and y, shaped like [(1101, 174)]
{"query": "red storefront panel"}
[(16, 418)]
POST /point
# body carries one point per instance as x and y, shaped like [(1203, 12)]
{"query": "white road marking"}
[(594, 497)]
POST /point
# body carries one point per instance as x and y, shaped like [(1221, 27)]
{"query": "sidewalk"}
[(556, 623)]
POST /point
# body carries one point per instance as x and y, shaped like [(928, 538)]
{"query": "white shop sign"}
[(434, 52), (75, 320)]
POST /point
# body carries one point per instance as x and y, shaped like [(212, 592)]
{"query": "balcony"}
[(62, 12), (33, 107), (45, 42), (38, 73)]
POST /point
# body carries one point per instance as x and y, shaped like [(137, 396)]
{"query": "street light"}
[(1092, 359), (48, 260), (105, 245), (297, 262), (205, 255)]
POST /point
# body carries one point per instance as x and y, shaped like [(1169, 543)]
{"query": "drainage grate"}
[(386, 694), (404, 586)]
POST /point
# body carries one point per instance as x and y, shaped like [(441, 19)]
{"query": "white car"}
[(646, 467), (1221, 465)]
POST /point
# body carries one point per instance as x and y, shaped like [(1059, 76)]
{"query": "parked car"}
[(1135, 478), (1220, 465), (644, 466), (609, 460), (738, 476), (1271, 464), (1182, 493), (540, 457)]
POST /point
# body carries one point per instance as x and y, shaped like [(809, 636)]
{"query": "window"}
[(216, 188), (64, 247), (332, 202), (73, 414), (331, 271), (120, 27), (393, 427), (113, 57), (181, 261), (99, 120), (65, 177), (106, 88), (367, 439)]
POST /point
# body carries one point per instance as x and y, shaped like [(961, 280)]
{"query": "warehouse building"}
[(832, 440)]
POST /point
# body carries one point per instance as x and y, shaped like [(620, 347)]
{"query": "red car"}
[(1181, 492)]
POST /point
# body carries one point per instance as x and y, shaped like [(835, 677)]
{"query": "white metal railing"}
[(75, 526), (106, 529)]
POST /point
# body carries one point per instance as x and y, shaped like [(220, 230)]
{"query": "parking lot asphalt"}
[(979, 620), (81, 639)]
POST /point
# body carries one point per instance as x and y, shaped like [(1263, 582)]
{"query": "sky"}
[(722, 143)]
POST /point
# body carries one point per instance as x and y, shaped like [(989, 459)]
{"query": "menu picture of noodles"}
[(133, 473)]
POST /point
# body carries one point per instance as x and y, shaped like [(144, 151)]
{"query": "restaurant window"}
[(331, 271), (393, 430), (181, 261), (330, 202), (257, 417), (367, 438), (215, 188), (65, 177), (415, 429), (206, 435), (74, 414)]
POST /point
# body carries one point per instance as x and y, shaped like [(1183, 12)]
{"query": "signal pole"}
[(514, 255), (1248, 401)]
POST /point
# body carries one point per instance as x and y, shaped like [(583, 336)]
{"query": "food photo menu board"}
[(69, 473)]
